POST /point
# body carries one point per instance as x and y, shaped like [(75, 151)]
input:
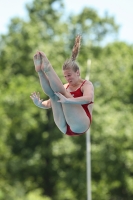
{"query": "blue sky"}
[(122, 10)]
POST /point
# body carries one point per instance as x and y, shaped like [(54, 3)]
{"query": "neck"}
[(75, 84)]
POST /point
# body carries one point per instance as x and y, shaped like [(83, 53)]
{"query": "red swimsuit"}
[(78, 93)]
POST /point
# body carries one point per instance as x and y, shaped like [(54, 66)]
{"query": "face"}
[(71, 76)]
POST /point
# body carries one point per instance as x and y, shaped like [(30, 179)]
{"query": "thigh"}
[(58, 114), (73, 115), (76, 117)]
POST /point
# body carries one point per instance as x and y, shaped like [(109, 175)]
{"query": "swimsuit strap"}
[(82, 83)]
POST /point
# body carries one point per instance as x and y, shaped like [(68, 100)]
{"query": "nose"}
[(67, 78)]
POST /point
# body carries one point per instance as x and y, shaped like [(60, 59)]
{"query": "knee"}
[(54, 97), (49, 93), (81, 127), (61, 126), (63, 129)]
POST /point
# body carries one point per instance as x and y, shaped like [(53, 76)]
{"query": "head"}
[(70, 66), (71, 76)]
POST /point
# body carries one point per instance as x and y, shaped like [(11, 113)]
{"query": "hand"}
[(62, 98), (36, 99)]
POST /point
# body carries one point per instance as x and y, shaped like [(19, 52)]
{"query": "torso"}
[(71, 88), (77, 91)]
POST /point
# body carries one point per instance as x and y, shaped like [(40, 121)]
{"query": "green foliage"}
[(36, 160), (112, 141)]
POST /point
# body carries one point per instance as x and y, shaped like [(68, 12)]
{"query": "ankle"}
[(46, 68)]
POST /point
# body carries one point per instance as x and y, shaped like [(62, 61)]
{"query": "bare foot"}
[(45, 63), (37, 61)]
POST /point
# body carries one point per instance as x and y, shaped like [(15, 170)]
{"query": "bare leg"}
[(78, 124), (45, 84), (58, 114), (76, 117), (54, 80), (43, 78), (51, 83)]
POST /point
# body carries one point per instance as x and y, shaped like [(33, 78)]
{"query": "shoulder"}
[(87, 86)]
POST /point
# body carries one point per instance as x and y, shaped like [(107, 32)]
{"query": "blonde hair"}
[(71, 62)]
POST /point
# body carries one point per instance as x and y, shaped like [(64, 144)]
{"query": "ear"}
[(78, 72)]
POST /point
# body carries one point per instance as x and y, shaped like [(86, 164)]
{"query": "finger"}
[(60, 94), (31, 97), (57, 94), (38, 95), (32, 94)]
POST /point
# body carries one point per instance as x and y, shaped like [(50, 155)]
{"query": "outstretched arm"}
[(79, 100), (39, 102), (88, 96)]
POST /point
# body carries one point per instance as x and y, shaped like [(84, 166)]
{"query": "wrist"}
[(40, 106)]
